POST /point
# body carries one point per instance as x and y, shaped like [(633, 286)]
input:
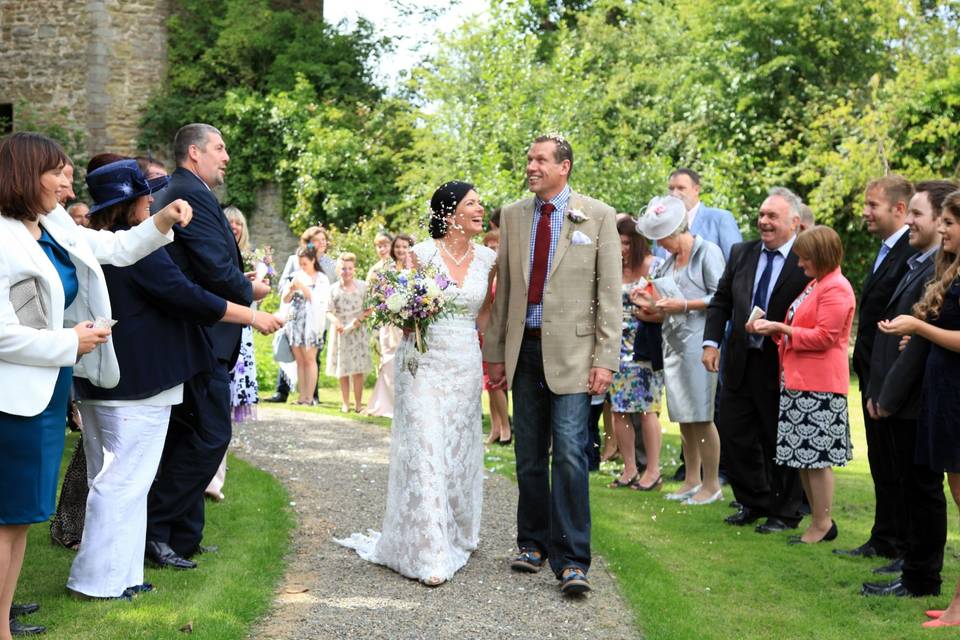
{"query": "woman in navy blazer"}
[(159, 345)]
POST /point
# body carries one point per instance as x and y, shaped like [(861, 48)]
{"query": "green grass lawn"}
[(221, 599), (686, 574)]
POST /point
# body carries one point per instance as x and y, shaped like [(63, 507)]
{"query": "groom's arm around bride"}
[(554, 338)]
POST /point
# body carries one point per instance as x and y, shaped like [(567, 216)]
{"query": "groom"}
[(554, 337)]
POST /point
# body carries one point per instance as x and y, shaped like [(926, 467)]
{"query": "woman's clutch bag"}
[(28, 305)]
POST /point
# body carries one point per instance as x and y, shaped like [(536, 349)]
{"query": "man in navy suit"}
[(200, 428), (716, 225), (762, 273)]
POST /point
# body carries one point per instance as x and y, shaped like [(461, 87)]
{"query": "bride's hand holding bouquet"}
[(411, 299)]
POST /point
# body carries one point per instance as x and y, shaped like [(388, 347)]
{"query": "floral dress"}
[(636, 387), (349, 352), (244, 390), (302, 327)]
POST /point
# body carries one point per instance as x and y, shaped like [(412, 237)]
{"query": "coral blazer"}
[(815, 357)]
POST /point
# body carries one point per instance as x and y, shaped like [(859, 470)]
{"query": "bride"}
[(432, 520)]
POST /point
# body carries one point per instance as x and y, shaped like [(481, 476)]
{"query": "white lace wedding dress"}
[(432, 520)]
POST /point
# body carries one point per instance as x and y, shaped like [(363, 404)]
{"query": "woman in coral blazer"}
[(813, 433)]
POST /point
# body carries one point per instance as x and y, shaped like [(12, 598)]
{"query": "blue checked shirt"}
[(535, 311)]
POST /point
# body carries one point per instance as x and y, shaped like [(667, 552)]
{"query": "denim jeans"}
[(553, 513)]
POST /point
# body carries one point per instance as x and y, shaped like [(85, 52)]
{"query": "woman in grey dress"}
[(683, 287)]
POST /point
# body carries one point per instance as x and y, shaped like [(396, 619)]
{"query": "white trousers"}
[(123, 447)]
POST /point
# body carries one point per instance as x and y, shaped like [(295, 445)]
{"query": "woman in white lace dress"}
[(432, 520)]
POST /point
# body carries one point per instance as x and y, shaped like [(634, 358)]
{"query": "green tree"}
[(818, 96), (296, 100)]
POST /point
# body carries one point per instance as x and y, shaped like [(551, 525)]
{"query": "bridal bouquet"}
[(411, 299), (261, 261)]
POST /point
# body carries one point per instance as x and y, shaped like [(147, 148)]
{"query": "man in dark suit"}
[(893, 403), (762, 273), (200, 428), (885, 209)]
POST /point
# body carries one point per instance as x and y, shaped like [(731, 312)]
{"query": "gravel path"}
[(336, 472)]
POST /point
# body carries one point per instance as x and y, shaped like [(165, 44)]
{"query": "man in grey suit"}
[(893, 401), (716, 225)]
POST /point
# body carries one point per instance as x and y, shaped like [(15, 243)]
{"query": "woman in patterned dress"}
[(813, 434), (348, 357), (307, 294), (244, 389), (636, 387)]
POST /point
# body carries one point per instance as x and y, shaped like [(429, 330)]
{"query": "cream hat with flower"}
[(661, 217)]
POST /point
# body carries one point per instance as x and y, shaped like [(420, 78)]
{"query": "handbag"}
[(28, 304), (281, 348)]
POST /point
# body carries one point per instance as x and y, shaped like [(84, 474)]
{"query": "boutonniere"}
[(576, 216)]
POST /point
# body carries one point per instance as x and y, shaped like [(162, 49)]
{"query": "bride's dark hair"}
[(444, 203)]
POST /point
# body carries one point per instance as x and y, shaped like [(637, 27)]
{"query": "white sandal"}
[(680, 496)]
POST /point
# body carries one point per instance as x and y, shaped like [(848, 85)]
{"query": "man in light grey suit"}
[(715, 225)]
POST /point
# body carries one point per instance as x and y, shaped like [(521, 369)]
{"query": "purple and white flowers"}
[(410, 299)]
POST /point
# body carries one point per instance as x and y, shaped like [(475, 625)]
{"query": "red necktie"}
[(541, 255)]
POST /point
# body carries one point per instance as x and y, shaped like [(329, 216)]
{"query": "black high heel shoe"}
[(829, 536)]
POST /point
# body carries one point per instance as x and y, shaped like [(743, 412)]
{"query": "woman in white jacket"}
[(54, 323)]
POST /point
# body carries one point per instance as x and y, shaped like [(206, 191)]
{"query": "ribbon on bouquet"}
[(410, 358)]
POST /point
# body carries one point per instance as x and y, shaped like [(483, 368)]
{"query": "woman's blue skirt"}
[(30, 453)]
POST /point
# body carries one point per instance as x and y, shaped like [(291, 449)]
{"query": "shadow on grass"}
[(220, 600), (686, 574)]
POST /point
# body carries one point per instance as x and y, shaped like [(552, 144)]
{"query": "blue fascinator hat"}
[(118, 182)]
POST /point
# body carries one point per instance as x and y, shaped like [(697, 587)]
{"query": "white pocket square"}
[(580, 238)]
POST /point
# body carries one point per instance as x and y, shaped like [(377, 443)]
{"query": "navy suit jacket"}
[(897, 376), (733, 302), (158, 340), (207, 253), (876, 294)]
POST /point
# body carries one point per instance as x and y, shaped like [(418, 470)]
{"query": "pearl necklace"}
[(457, 261)]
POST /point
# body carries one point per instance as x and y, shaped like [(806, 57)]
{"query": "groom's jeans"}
[(555, 522)]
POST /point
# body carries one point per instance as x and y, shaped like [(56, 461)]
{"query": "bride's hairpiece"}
[(444, 202)]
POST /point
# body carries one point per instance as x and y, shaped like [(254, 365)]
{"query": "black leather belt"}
[(531, 333)]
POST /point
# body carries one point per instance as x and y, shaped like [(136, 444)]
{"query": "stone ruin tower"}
[(96, 60)]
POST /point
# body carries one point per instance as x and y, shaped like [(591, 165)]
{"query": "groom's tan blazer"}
[(582, 303)]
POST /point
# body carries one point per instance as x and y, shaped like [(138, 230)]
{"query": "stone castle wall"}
[(96, 60)]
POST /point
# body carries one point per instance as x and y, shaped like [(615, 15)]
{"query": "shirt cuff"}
[(710, 343)]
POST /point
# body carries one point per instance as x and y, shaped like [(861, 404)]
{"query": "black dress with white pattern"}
[(813, 431)]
